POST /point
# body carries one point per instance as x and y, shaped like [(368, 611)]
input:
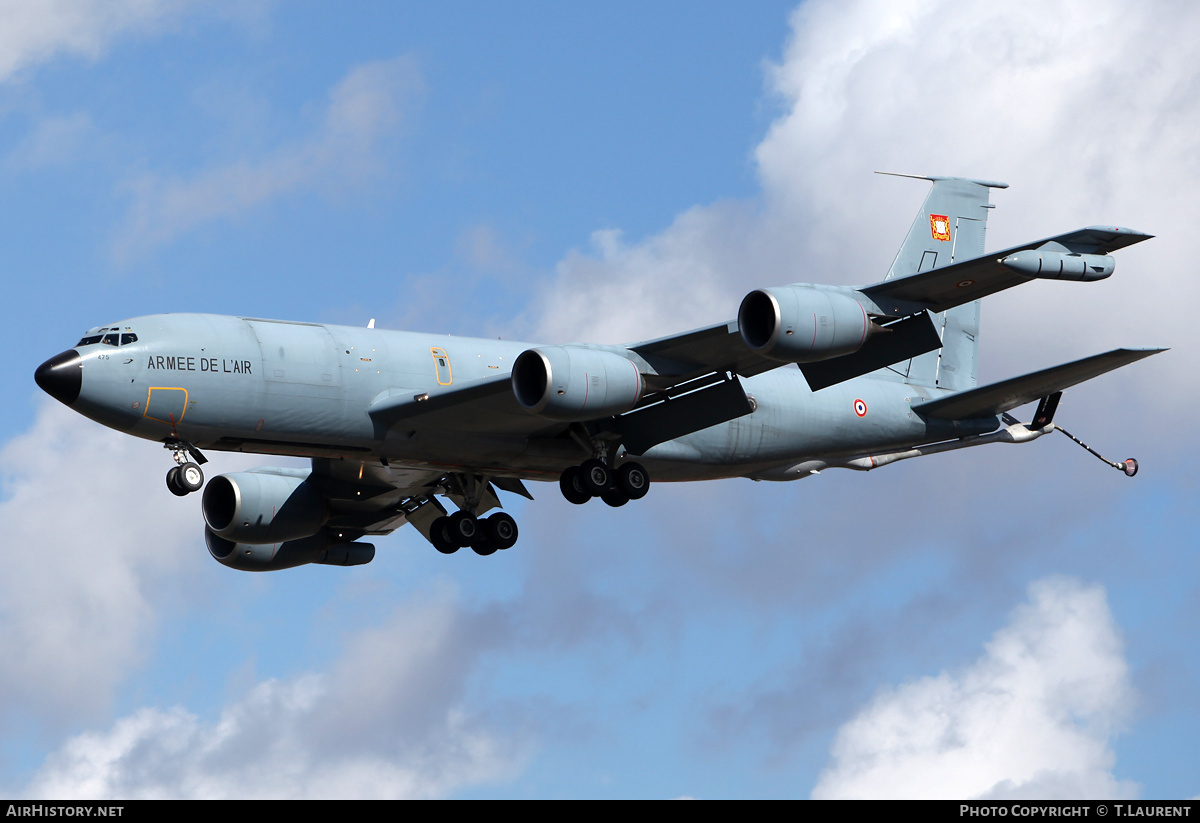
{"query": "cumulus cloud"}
[(1084, 135), (97, 552), (1032, 718), (942, 88), (83, 574), (368, 105), (92, 570), (386, 721), (36, 32)]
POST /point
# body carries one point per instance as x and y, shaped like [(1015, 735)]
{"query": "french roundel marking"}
[(860, 408), (962, 284)]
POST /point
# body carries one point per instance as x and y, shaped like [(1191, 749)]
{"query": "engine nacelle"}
[(1056, 265), (266, 557), (261, 507), (803, 324), (571, 383)]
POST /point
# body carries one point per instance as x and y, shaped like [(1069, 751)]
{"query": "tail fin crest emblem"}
[(939, 226)]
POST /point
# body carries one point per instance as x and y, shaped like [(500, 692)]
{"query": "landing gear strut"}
[(186, 477)]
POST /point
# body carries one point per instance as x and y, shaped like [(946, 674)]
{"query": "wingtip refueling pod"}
[(1060, 265)]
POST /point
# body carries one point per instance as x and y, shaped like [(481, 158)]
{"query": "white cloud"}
[(33, 33), (92, 569), (96, 549), (623, 292), (364, 108), (54, 141), (385, 722), (1084, 133), (1032, 718), (81, 570)]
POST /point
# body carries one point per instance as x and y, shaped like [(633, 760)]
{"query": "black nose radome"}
[(61, 376)]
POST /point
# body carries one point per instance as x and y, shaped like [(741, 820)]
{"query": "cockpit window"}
[(109, 339)]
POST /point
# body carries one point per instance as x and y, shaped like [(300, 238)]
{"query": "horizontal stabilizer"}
[(910, 337), (1008, 394)]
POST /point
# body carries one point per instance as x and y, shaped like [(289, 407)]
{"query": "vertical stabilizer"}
[(949, 228)]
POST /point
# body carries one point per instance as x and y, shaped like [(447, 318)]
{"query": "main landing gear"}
[(462, 529), (595, 478), (484, 535), (186, 477)]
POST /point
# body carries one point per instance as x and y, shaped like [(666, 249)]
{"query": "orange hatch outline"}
[(437, 372), (150, 392)]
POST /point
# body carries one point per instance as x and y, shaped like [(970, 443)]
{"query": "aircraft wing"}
[(959, 283), (716, 348), (369, 498), (720, 348), (1008, 394), (364, 497), (477, 406)]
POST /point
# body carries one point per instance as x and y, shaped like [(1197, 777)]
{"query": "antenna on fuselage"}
[(371, 323)]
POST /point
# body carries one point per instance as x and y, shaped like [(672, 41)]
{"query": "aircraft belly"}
[(791, 422)]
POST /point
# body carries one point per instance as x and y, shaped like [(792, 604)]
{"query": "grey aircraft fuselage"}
[(273, 387), (806, 377)]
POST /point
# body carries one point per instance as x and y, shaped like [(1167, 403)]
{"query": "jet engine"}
[(572, 383), (803, 324), (268, 557), (262, 507)]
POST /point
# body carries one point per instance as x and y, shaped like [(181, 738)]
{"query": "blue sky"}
[(994, 622)]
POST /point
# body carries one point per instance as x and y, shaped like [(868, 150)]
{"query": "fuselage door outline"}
[(441, 366)]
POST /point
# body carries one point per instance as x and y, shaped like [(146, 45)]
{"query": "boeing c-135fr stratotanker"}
[(393, 421)]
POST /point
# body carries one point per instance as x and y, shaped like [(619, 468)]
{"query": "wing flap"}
[(674, 417), (1008, 394), (906, 338), (486, 405)]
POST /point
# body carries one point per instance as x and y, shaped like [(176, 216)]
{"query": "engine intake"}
[(803, 324), (262, 507), (572, 383)]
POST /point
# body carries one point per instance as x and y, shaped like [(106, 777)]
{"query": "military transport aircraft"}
[(395, 420)]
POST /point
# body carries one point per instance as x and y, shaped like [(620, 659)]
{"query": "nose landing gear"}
[(186, 477)]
